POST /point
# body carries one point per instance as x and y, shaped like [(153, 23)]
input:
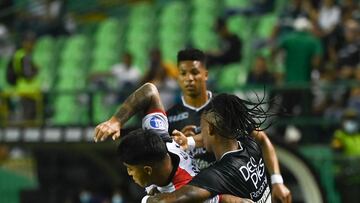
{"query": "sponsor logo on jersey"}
[(156, 123), (178, 117), (254, 171)]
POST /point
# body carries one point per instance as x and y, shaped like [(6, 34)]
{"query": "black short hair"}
[(191, 55), (142, 147)]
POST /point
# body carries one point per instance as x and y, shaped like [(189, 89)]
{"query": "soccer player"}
[(227, 123), (151, 156), (185, 116)]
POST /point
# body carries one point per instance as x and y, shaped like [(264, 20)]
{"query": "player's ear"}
[(211, 129), (148, 170)]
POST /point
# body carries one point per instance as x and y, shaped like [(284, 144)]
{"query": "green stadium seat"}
[(237, 3), (141, 9), (266, 25), (172, 19), (3, 64), (204, 39), (108, 40), (231, 76), (44, 44), (240, 26), (205, 5), (101, 110), (207, 19), (65, 110), (101, 65)]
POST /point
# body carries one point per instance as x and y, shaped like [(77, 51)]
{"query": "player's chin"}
[(192, 92)]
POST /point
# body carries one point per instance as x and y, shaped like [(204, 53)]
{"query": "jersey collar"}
[(229, 152), (199, 108)]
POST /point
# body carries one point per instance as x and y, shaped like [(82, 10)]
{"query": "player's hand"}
[(189, 130), (280, 193), (106, 129), (154, 191), (234, 199), (181, 139)]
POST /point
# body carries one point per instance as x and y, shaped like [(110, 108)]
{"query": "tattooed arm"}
[(145, 99), (189, 193)]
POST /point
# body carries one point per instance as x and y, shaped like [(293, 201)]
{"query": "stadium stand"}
[(106, 29)]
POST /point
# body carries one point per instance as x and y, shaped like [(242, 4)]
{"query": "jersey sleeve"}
[(208, 180), (158, 122), (155, 121)]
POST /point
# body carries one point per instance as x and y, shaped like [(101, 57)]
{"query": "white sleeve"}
[(155, 121), (215, 199)]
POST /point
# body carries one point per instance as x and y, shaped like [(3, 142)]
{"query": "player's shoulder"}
[(175, 108)]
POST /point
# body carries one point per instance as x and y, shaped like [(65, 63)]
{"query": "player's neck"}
[(197, 101), (164, 172), (225, 146)]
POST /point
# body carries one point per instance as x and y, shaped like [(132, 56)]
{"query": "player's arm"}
[(279, 190), (233, 199), (187, 193), (145, 99), (187, 140)]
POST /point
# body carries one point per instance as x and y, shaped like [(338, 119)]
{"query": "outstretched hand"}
[(108, 128), (181, 139), (189, 130)]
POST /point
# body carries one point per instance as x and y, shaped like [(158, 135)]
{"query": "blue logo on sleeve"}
[(156, 123)]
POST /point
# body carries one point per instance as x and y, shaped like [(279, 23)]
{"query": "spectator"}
[(43, 16), (349, 9), (7, 46), (293, 11), (347, 138), (127, 75), (329, 16), (162, 75), (21, 75), (328, 19), (303, 53), (348, 56), (230, 47), (260, 74), (354, 94)]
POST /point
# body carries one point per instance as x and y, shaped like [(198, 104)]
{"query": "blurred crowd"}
[(310, 64)]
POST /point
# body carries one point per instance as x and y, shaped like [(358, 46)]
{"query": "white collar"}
[(199, 108), (237, 150)]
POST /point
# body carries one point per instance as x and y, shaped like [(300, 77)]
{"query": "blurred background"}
[(65, 66)]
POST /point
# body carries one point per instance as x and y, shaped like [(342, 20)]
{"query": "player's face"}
[(138, 174), (192, 78)]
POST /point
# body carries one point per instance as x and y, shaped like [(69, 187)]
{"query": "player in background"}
[(185, 116), (227, 123), (151, 156)]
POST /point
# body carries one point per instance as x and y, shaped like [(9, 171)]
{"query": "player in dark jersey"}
[(151, 156), (227, 123), (185, 116)]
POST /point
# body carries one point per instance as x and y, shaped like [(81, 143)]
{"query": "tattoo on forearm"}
[(137, 101)]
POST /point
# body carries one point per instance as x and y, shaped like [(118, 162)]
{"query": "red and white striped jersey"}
[(186, 168)]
